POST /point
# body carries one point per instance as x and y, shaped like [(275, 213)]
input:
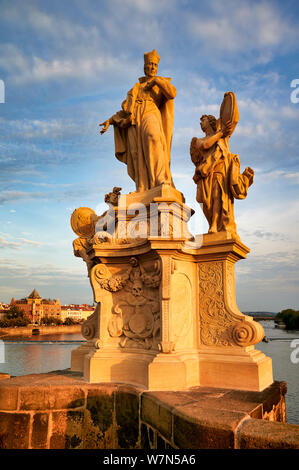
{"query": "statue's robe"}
[(218, 179), (143, 133)]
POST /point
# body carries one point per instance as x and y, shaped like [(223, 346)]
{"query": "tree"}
[(15, 317), (69, 321), (290, 318), (50, 321), (15, 312)]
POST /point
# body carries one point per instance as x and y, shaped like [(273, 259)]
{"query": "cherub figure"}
[(217, 173)]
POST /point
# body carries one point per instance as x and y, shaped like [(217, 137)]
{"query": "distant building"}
[(3, 310), (76, 312), (3, 306), (36, 308)]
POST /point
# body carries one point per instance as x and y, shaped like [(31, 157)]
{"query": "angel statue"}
[(217, 173)]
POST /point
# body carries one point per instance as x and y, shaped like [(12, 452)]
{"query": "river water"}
[(39, 354)]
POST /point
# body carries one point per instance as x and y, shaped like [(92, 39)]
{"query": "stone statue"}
[(144, 126), (166, 315), (217, 173)]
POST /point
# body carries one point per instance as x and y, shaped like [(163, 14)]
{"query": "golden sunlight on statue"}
[(217, 173), (144, 126)]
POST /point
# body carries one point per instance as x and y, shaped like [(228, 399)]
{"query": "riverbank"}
[(7, 333)]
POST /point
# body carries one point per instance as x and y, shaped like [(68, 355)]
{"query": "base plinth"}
[(160, 371), (166, 316), (248, 371)]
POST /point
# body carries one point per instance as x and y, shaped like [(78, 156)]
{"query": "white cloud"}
[(15, 195), (291, 176), (9, 244), (30, 242), (143, 6), (272, 228), (39, 272), (39, 129), (53, 25), (290, 112), (242, 26), (250, 130), (24, 69)]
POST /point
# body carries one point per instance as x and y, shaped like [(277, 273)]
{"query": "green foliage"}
[(50, 321), (15, 312), (290, 318), (15, 317), (69, 321)]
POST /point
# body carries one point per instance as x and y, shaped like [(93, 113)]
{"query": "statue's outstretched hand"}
[(228, 129), (249, 173), (149, 85), (106, 124)]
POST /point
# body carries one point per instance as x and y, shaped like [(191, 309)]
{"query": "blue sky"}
[(68, 65)]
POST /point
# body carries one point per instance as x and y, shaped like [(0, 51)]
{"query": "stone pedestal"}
[(166, 316)]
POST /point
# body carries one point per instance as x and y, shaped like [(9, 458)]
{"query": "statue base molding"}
[(167, 319), (152, 371), (250, 370), (176, 371)]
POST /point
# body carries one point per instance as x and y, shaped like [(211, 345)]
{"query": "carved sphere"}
[(88, 330), (244, 334), (83, 222)]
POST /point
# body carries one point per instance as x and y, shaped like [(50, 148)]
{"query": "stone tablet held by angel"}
[(217, 173)]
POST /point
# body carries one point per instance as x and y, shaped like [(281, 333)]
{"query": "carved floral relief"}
[(215, 319)]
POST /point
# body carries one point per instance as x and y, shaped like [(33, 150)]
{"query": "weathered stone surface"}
[(34, 398), (67, 397), (156, 413), (250, 403), (100, 405), (14, 430), (145, 442), (4, 376), (201, 417), (51, 398), (127, 417), (67, 430), (199, 428), (261, 434), (39, 431), (8, 397), (99, 431), (268, 404)]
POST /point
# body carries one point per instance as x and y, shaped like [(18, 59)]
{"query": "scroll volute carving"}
[(221, 323), (246, 333), (90, 328), (102, 280)]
